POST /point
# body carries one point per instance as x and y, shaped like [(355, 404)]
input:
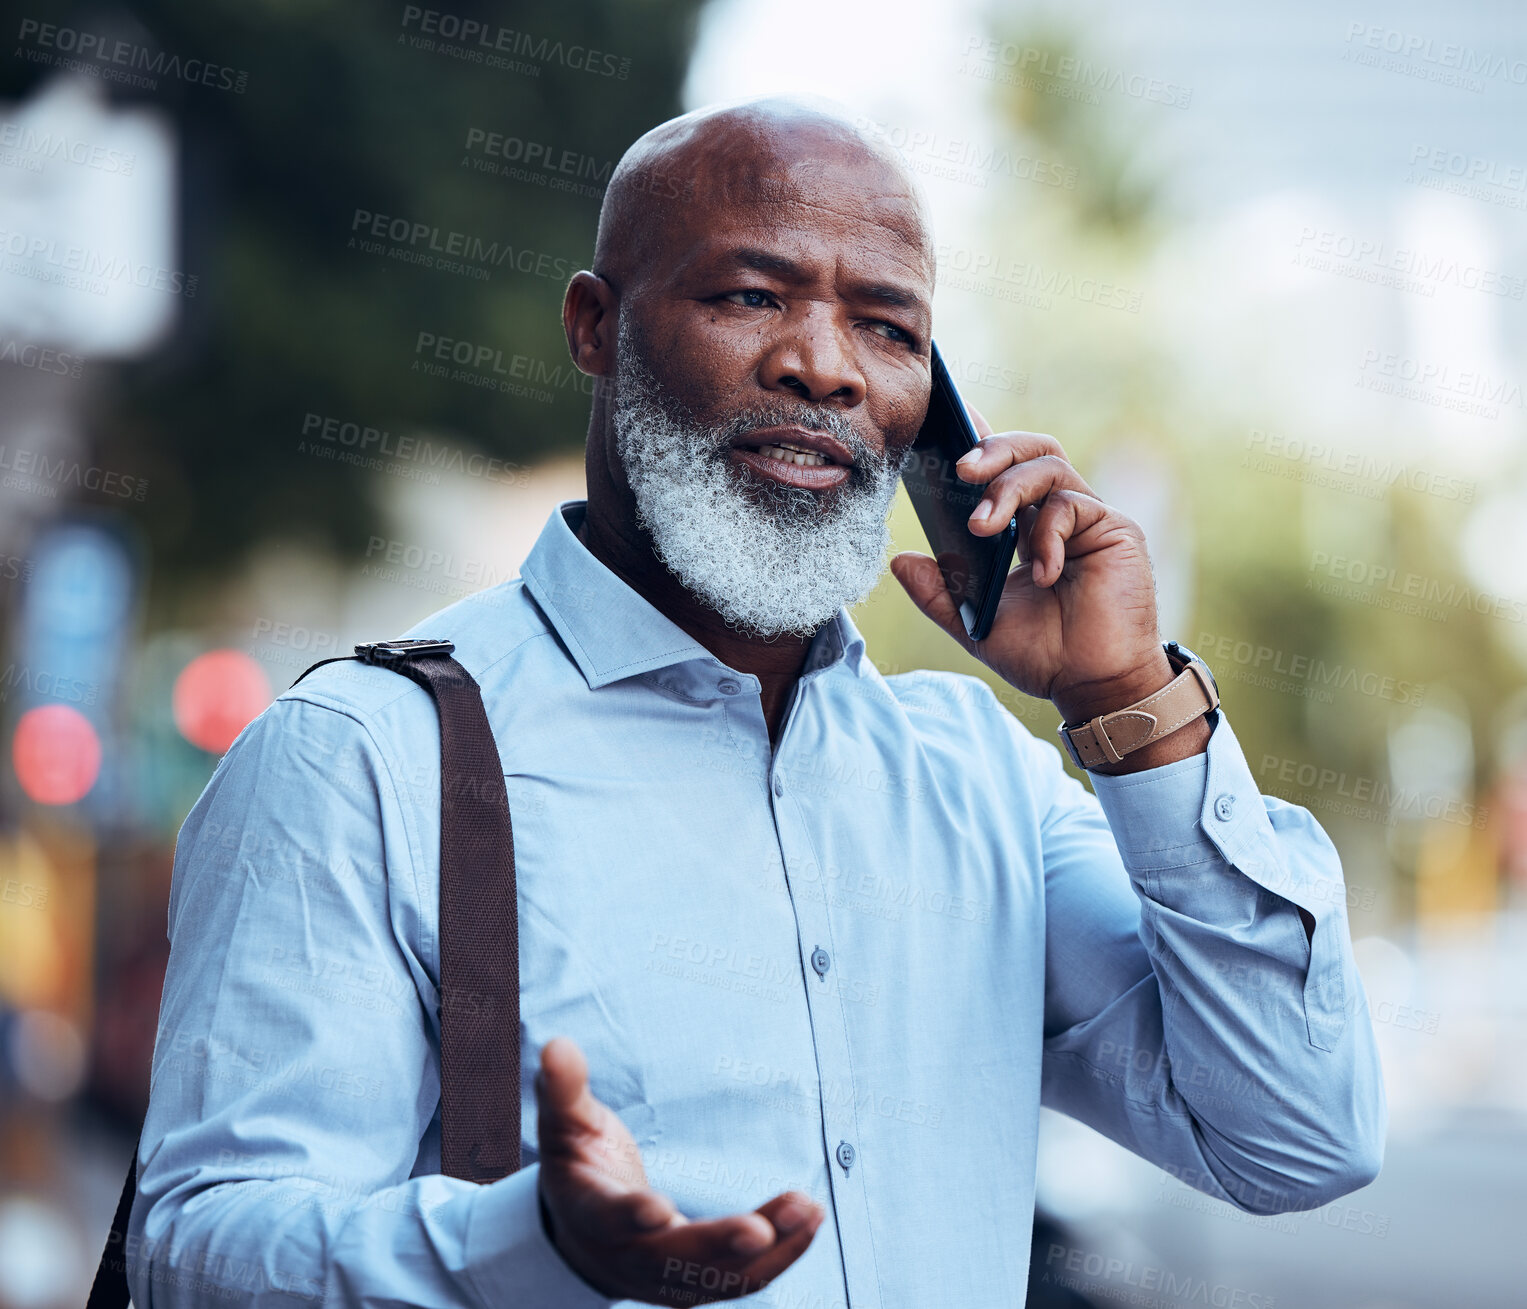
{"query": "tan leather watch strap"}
[(1107, 738)]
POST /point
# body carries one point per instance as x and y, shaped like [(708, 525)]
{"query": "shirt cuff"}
[(511, 1260), (1188, 812)]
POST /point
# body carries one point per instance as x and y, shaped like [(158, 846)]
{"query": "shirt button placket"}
[(831, 1003)]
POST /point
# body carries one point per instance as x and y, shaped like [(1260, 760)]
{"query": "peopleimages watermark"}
[(445, 250), (28, 146), (538, 162), (477, 364), (426, 569), (1325, 250), (1355, 796), (113, 59), (493, 45), (1181, 1192), (23, 894), (216, 1059), (1068, 77), (78, 267), (43, 684), (1026, 283), (417, 458), (38, 473), (1453, 172), (957, 159), (1432, 61), (1259, 664), (1063, 1263), (873, 893), (45, 359), (16, 568), (1365, 475), (302, 641), (1388, 587), (994, 377), (1440, 385), (787, 1089)]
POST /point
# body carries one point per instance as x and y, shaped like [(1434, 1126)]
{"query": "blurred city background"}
[(281, 369)]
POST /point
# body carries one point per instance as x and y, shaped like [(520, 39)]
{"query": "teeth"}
[(792, 454)]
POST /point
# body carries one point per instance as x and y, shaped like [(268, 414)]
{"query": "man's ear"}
[(588, 317)]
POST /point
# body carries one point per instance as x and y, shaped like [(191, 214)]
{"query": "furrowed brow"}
[(765, 261), (895, 296), (787, 269)]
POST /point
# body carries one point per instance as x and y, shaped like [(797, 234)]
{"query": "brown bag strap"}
[(479, 944)]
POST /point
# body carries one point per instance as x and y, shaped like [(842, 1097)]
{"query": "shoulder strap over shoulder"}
[(479, 944)]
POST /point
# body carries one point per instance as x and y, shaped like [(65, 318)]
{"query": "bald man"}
[(804, 948)]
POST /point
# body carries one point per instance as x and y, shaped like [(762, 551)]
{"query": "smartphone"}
[(974, 567)]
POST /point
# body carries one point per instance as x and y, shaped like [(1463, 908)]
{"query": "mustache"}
[(810, 417), (638, 383)]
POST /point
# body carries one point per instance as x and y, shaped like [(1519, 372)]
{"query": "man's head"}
[(761, 304)]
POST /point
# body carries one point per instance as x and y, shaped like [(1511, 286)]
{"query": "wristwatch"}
[(1107, 738)]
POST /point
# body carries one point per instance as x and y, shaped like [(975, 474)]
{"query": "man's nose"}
[(812, 360)]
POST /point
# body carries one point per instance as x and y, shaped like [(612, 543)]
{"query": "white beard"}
[(781, 560)]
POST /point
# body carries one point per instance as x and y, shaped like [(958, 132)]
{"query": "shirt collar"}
[(612, 632)]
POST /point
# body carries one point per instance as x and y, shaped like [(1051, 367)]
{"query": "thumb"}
[(921, 579)]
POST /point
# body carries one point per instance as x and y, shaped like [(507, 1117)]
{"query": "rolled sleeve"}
[(1171, 822)]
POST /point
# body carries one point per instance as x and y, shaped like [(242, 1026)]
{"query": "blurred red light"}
[(216, 696), (57, 754)]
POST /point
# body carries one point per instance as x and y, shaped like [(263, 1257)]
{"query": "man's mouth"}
[(795, 456)]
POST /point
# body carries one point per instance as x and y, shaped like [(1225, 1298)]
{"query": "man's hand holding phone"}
[(1076, 623)]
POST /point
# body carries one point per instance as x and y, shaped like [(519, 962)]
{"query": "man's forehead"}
[(770, 166), (836, 188), (803, 212)]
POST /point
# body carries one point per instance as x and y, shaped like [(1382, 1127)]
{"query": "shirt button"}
[(779, 787), (1224, 806), (845, 1155), (728, 687), (821, 961)]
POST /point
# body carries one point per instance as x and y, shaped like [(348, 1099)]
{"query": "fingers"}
[(921, 578), (1020, 468), (996, 452), (1055, 530), (724, 1258)]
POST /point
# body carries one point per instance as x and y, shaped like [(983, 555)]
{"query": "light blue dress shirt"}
[(856, 965)]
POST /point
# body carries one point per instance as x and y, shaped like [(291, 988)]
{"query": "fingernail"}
[(751, 1241), (790, 1217), (969, 457), (982, 513)]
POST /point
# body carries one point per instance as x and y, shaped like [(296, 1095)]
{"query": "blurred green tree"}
[(351, 110)]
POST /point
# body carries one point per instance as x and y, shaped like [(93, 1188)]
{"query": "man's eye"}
[(750, 299), (897, 333)]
